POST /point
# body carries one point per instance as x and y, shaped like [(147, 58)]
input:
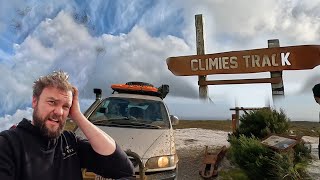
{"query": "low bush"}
[(230, 174), (302, 153), (263, 122), (257, 160), (283, 166), (251, 156), (260, 162)]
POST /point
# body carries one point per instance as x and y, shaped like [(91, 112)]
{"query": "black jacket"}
[(26, 155)]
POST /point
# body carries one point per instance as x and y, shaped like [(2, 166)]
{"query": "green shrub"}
[(263, 122), (301, 153), (260, 162), (257, 160), (251, 156), (231, 174), (283, 166)]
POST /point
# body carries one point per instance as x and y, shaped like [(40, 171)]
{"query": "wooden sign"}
[(248, 61)]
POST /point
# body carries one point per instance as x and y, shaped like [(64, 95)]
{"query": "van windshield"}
[(132, 113)]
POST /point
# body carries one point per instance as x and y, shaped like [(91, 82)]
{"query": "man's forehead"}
[(53, 92)]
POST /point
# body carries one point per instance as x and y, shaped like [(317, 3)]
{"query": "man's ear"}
[(34, 101)]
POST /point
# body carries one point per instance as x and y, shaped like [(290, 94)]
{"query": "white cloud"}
[(4, 56), (92, 62), (98, 61), (20, 17), (299, 107), (139, 57), (238, 25), (50, 47), (187, 108), (14, 92), (7, 121)]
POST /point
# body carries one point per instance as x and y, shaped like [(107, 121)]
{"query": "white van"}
[(137, 118)]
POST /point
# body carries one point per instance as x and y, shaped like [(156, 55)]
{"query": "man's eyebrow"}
[(52, 98), (57, 100)]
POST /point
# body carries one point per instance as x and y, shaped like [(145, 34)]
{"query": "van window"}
[(130, 109)]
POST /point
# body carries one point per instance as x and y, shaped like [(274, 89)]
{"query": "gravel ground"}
[(191, 144), (314, 166), (189, 163)]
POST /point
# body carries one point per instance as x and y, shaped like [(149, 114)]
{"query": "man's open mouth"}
[(53, 120)]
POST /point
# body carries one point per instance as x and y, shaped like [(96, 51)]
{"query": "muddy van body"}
[(141, 125)]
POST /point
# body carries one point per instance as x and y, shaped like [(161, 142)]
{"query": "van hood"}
[(145, 142)]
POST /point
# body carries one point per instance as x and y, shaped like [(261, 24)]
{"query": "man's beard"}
[(41, 123)]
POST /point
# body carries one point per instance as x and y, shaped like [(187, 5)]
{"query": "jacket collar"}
[(46, 142)]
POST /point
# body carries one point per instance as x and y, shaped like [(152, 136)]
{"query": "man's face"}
[(51, 111)]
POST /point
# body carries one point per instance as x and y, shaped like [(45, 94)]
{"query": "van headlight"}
[(161, 162)]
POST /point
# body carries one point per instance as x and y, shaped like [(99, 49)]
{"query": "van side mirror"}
[(174, 120), (98, 93)]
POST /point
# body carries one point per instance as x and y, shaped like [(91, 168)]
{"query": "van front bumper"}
[(161, 175)]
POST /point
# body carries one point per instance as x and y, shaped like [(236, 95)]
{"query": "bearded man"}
[(41, 149)]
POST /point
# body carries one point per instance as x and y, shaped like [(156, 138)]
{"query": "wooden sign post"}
[(203, 89), (277, 88)]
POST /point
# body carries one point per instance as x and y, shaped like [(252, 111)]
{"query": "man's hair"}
[(316, 90), (57, 79)]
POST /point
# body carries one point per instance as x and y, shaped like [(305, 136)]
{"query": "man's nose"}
[(58, 110)]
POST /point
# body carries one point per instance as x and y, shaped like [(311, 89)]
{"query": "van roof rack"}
[(143, 88)]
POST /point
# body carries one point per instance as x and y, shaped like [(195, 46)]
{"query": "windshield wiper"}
[(141, 124), (124, 122), (108, 120)]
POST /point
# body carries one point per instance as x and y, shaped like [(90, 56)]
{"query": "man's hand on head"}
[(74, 111)]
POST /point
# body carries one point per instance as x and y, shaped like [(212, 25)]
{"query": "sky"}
[(101, 42)]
